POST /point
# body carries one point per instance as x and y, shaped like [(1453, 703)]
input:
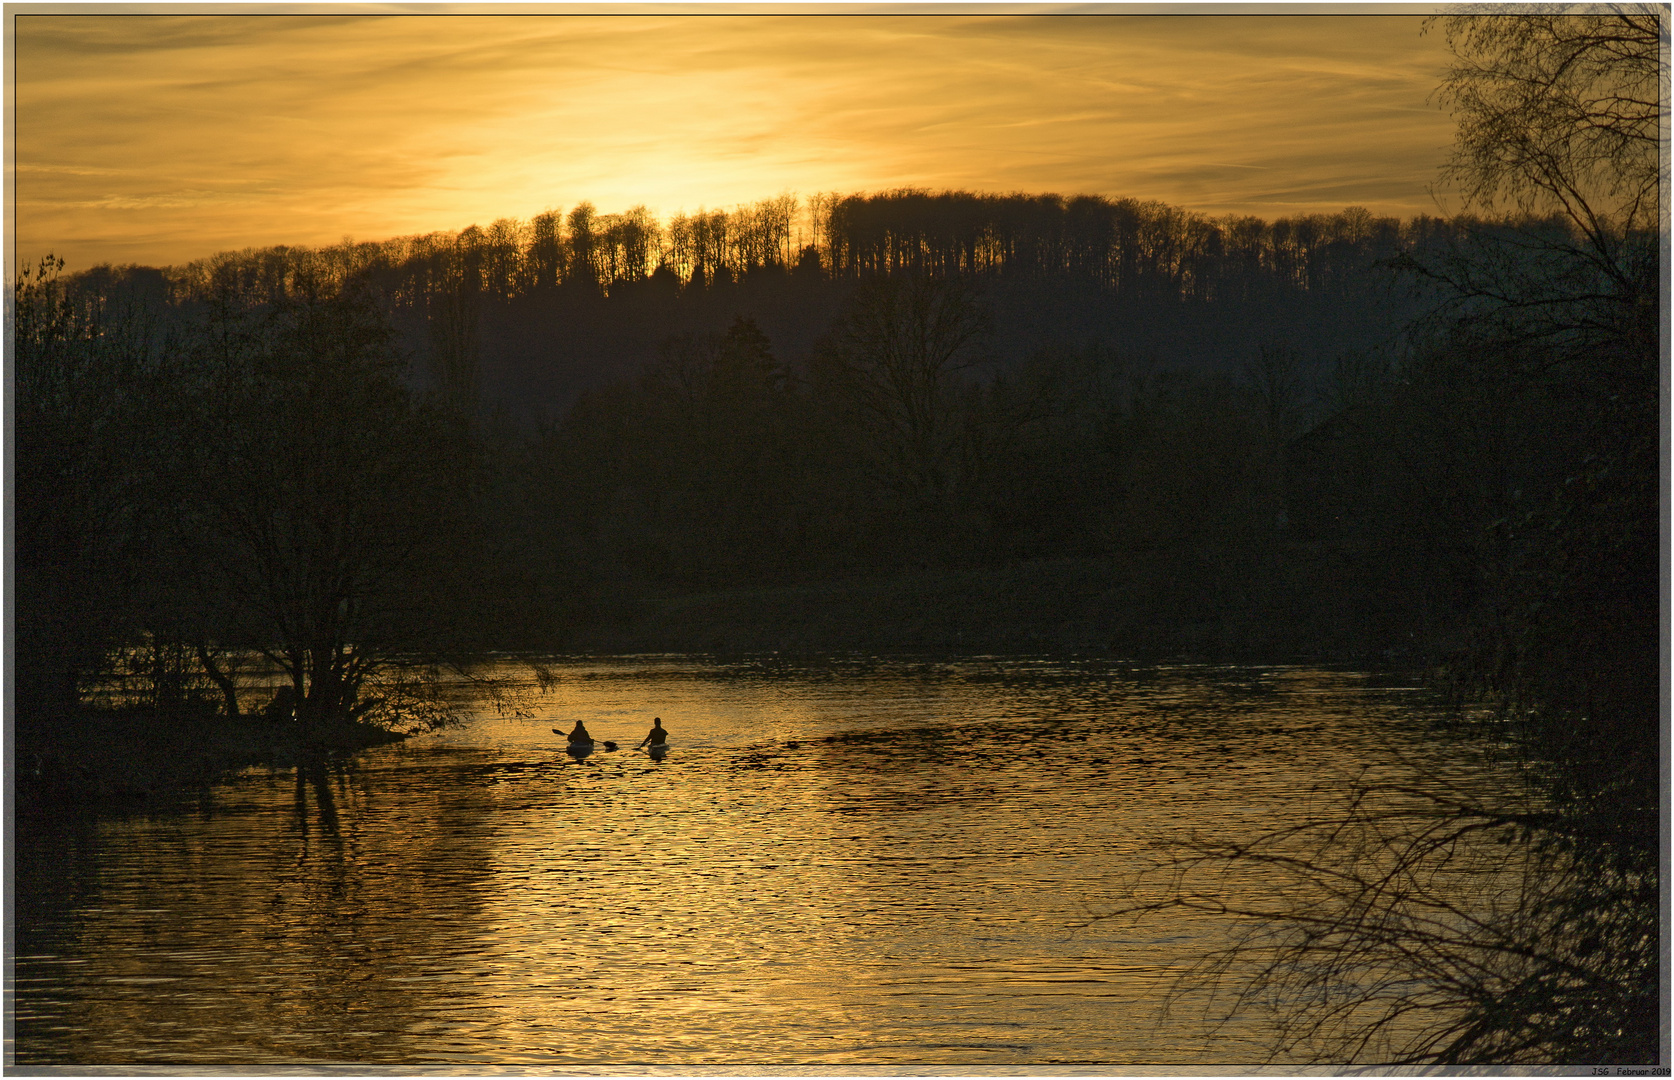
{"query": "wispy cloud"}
[(161, 138)]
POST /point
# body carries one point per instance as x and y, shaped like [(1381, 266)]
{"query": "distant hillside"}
[(542, 310)]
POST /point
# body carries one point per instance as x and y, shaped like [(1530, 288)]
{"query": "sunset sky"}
[(158, 139)]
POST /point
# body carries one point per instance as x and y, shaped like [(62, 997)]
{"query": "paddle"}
[(608, 745)]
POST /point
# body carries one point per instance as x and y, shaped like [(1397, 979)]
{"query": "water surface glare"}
[(846, 864)]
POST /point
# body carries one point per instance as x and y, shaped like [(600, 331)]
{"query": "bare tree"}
[(1516, 923), (454, 345), (345, 497), (1278, 384), (898, 355), (583, 243), (1562, 109), (1562, 118), (1424, 928), (545, 255)]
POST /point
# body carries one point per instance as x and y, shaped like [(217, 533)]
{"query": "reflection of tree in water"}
[(333, 893), (382, 910), (313, 775)]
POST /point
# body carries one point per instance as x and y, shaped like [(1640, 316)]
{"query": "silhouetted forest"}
[(1189, 436), (547, 308)]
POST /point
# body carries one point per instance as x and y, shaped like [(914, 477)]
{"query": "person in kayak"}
[(657, 736), (579, 735)]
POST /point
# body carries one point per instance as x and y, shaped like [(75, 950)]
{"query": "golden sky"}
[(158, 139)]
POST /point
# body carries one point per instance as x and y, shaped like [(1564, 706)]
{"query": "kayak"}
[(583, 747)]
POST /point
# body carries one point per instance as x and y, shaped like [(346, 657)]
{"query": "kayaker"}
[(657, 736), (580, 733)]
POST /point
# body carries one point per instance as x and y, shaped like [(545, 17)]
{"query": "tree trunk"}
[(229, 689)]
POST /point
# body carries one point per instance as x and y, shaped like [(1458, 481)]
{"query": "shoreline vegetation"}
[(111, 759), (1205, 606), (1065, 607)]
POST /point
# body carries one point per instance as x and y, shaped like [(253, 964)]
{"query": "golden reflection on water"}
[(835, 865)]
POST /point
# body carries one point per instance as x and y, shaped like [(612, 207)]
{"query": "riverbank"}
[(1200, 605), (1294, 604), (130, 756)]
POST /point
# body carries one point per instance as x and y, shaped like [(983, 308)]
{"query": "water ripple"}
[(859, 863)]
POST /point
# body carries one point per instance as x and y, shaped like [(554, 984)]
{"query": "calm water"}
[(857, 863)]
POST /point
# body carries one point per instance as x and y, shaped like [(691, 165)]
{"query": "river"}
[(855, 863)]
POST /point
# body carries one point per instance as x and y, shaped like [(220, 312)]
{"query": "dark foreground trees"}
[(209, 488), (1562, 113)]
